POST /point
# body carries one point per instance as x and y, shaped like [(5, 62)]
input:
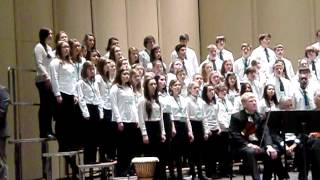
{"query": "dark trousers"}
[(155, 147), (108, 132), (224, 153), (167, 150), (180, 145), (67, 128), (312, 149), (46, 110), (211, 154), (250, 157), (92, 135), (129, 146), (197, 147)]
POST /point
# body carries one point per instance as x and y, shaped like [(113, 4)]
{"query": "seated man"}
[(251, 139)]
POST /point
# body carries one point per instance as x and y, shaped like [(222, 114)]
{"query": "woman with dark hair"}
[(43, 56), (231, 83), (237, 105), (227, 66), (125, 114), (64, 89), (115, 54), (210, 111), (76, 57), (195, 108), (164, 99), (151, 125), (113, 41), (182, 130), (92, 111), (94, 57), (89, 41), (107, 148), (155, 55), (269, 102)]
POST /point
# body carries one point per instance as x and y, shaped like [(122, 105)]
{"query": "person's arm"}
[(4, 103), (39, 54), (142, 117), (54, 69), (114, 103), (82, 102), (235, 130)]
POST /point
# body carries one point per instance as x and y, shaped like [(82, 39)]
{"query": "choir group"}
[(121, 106)]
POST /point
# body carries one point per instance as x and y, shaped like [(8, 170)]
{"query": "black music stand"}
[(298, 122)]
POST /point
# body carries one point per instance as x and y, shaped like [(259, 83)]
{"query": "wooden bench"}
[(84, 168)]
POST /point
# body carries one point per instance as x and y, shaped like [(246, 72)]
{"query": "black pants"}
[(197, 147), (67, 128), (92, 135), (250, 156), (108, 132), (167, 150), (67, 124), (180, 145), (312, 149), (46, 110), (155, 147), (129, 146), (211, 154)]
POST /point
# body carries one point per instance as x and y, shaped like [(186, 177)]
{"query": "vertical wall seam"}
[(199, 29), (127, 23), (158, 21), (53, 16), (92, 17)]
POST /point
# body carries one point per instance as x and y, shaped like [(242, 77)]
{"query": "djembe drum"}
[(145, 167)]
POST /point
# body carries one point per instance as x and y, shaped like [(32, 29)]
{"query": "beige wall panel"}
[(28, 114), (30, 17), (7, 58), (7, 20), (109, 20), (178, 17), (233, 19), (72, 16), (316, 7), (141, 21), (290, 22)]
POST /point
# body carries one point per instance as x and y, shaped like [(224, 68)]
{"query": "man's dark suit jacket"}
[(237, 125)]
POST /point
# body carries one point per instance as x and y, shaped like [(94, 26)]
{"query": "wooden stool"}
[(49, 156), (83, 168)]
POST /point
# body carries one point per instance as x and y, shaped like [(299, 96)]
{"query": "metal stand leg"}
[(18, 159)]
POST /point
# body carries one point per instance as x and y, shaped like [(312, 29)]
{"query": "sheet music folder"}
[(294, 121)]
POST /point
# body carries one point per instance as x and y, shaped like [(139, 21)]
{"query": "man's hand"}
[(271, 152), (255, 147)]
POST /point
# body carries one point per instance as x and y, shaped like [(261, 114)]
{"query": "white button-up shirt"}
[(88, 92), (124, 108), (63, 77)]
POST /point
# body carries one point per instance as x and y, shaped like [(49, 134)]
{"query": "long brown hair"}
[(149, 97)]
